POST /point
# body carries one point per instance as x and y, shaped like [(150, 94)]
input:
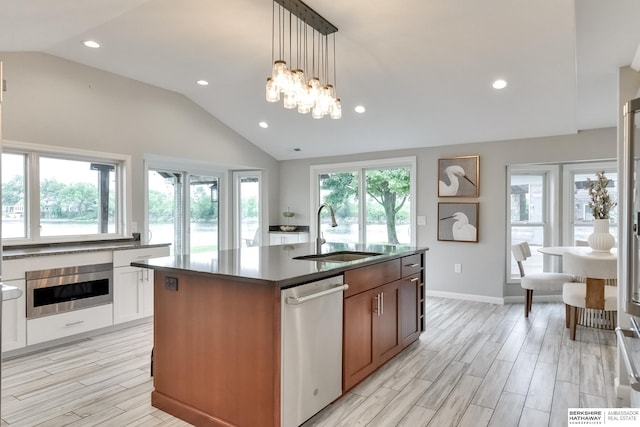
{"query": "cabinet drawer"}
[(365, 278), (411, 264), (125, 257), (65, 324)]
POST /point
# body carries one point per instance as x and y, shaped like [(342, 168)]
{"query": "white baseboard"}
[(466, 297), (540, 298)]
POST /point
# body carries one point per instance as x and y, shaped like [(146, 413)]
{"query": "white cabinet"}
[(287, 238), (62, 325), (133, 286), (14, 325)]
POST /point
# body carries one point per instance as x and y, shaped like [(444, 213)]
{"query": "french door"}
[(182, 209)]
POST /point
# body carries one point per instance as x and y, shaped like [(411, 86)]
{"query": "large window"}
[(61, 195), (544, 213), (372, 201)]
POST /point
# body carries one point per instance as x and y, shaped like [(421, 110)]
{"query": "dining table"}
[(587, 316)]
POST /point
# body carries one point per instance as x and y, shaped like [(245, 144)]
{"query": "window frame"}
[(237, 176), (361, 167), (188, 168), (32, 153), (551, 216), (569, 171)]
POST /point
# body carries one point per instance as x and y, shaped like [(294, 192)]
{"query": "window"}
[(248, 208), (182, 210), (577, 178), (61, 195), (529, 199), (371, 200), (544, 213)]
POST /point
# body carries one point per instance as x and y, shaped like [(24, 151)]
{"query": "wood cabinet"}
[(382, 314)]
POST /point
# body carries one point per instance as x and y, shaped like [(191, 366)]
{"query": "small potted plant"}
[(601, 204)]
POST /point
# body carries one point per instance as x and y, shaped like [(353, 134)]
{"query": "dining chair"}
[(536, 281), (591, 300)]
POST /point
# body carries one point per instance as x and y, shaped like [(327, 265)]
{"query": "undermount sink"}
[(341, 256)]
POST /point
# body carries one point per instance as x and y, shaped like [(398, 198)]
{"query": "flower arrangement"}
[(600, 203)]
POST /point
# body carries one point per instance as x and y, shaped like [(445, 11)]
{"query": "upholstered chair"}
[(546, 282)]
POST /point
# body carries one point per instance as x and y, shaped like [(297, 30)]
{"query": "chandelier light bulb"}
[(290, 99), (336, 109), (273, 92)]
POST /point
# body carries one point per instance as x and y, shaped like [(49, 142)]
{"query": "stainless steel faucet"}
[(319, 239)]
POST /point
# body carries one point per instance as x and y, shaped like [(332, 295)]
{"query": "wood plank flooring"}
[(476, 365)]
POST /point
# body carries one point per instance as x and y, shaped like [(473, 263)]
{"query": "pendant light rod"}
[(308, 16)]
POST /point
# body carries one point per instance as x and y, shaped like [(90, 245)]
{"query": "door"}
[(386, 342), (183, 210), (358, 337), (408, 318)]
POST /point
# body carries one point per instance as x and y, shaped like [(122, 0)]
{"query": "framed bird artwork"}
[(459, 176), (458, 222)]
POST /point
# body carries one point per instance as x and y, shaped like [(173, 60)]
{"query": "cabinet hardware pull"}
[(300, 300), (376, 307), (412, 265), (382, 303), (415, 279), (75, 323)]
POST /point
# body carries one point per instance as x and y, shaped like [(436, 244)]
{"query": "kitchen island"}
[(217, 324)]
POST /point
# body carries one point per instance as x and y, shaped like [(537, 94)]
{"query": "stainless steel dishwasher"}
[(311, 348)]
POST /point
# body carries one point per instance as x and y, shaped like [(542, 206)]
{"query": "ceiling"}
[(422, 68)]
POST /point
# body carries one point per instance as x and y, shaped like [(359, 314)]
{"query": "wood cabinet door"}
[(386, 338), (358, 358), (409, 318)]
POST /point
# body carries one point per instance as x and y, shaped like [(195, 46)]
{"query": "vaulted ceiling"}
[(422, 68)]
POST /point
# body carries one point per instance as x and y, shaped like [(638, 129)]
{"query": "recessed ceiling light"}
[(360, 109), (499, 84), (92, 44), (263, 125), (202, 82)]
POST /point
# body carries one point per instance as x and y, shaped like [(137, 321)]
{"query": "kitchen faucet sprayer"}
[(319, 239)]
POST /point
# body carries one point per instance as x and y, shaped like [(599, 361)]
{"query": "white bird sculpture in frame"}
[(461, 228), (452, 172)]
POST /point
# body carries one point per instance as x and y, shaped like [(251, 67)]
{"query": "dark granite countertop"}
[(27, 251), (274, 265)]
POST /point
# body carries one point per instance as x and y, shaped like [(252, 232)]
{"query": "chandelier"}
[(304, 35)]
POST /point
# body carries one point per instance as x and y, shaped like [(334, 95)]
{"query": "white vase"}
[(601, 240)]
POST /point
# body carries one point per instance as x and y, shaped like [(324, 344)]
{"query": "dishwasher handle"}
[(631, 368), (300, 300)]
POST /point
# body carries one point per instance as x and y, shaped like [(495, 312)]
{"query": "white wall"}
[(57, 102), (483, 263)]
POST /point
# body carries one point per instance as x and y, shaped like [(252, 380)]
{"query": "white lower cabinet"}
[(132, 293), (14, 326), (62, 325)]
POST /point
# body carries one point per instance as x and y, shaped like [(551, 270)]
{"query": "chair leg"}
[(530, 298), (567, 313), (526, 302), (574, 321)]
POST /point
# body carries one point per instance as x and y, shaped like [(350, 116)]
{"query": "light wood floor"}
[(476, 365)]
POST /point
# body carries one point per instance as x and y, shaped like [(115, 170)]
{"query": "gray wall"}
[(483, 263), (57, 102)]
